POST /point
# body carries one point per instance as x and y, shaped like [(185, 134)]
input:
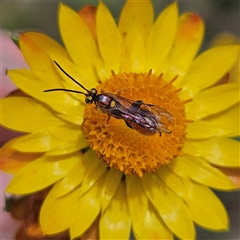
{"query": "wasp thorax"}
[(103, 101)]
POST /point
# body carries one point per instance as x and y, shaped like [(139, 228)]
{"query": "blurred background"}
[(219, 16)]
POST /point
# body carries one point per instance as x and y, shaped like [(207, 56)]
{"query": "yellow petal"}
[(202, 172), (224, 38), (29, 116), (78, 73), (92, 232), (161, 38), (205, 207), (235, 72), (188, 40), (200, 129), (86, 209), (209, 67), (79, 41), (233, 174), (216, 150), (52, 138), (112, 182), (60, 210), (39, 50), (78, 120), (126, 64), (228, 119), (177, 170), (154, 228), (61, 101), (136, 18), (75, 176), (34, 83), (109, 39), (173, 181), (137, 55), (13, 161), (115, 220), (36, 142), (212, 101), (223, 152), (41, 173), (66, 147), (67, 132), (88, 15), (169, 205), (138, 204), (96, 169)]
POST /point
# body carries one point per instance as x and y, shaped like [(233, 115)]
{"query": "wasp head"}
[(91, 95)]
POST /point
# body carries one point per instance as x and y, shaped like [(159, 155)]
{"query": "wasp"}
[(142, 117)]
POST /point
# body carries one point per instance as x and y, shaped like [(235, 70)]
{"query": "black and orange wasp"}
[(142, 117)]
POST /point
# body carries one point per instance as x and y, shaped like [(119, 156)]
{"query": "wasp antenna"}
[(79, 84), (65, 90)]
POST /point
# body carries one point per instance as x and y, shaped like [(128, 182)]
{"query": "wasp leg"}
[(136, 106), (127, 123), (137, 103)]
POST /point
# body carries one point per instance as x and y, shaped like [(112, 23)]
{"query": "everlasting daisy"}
[(105, 170)]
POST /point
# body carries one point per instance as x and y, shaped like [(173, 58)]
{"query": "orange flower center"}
[(125, 148)]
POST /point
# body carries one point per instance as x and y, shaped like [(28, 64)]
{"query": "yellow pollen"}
[(124, 148), (112, 104)]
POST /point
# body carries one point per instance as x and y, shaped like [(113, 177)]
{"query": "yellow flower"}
[(157, 184)]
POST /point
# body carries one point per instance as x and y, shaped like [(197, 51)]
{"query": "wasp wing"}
[(147, 116), (156, 110), (161, 116)]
